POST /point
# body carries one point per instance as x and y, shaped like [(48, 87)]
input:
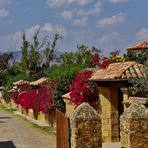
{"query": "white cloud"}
[(80, 21), (108, 38), (67, 15), (81, 15), (68, 2), (111, 21), (95, 10), (45, 29), (118, 1), (4, 3), (3, 12), (143, 34)]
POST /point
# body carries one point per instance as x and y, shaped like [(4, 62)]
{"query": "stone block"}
[(86, 128)]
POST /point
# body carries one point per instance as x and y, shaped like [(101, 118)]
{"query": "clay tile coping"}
[(139, 46), (66, 96), (38, 82), (20, 82), (119, 72), (11, 90), (143, 101)]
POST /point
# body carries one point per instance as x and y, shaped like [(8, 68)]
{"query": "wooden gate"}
[(62, 130)]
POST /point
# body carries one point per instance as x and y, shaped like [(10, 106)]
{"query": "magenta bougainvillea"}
[(38, 100), (82, 90), (14, 97)]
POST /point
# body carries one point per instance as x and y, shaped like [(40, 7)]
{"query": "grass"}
[(10, 110), (46, 129)]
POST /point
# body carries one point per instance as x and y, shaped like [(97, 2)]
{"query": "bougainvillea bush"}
[(38, 100), (83, 90), (14, 97), (103, 61)]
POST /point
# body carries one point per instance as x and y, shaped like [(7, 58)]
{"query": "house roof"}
[(11, 90), (40, 81), (139, 46), (119, 71), (20, 82)]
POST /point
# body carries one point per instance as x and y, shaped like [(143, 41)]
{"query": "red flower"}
[(83, 90)]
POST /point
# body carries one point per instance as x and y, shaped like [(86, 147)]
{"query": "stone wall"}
[(134, 127), (86, 128), (109, 114)]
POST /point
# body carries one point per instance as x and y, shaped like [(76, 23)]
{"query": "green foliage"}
[(12, 74), (4, 60), (82, 56), (34, 55), (5, 94), (140, 85), (140, 57), (58, 72), (25, 47), (10, 110), (49, 51)]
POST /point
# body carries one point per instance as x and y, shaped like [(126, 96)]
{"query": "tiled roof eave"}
[(108, 80)]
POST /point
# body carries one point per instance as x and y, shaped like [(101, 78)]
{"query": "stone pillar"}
[(134, 127), (109, 114), (86, 128), (126, 94)]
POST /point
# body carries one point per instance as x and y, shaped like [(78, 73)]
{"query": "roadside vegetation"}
[(41, 59)]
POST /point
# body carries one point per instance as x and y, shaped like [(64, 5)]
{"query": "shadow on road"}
[(5, 117), (7, 144)]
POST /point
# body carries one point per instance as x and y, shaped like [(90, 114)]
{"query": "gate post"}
[(86, 128), (134, 127)]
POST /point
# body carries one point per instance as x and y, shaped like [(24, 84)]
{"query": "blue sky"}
[(105, 24)]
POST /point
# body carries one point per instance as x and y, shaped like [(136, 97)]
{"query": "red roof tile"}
[(20, 82), (139, 46), (119, 71), (40, 81)]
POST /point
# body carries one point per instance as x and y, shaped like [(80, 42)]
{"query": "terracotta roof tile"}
[(20, 82), (139, 46), (40, 81), (119, 71)]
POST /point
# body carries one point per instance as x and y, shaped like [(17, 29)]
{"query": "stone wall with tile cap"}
[(134, 127), (86, 128)]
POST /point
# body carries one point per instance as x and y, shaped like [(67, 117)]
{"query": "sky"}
[(105, 24)]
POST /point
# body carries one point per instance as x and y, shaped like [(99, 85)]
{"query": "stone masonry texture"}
[(134, 127), (86, 128)]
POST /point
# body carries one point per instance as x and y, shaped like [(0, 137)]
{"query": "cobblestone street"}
[(18, 133)]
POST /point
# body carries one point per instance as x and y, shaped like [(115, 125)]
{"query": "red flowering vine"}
[(83, 90), (38, 100)]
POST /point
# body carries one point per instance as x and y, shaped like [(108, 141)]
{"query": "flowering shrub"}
[(14, 97), (114, 57), (82, 90), (104, 63), (38, 100)]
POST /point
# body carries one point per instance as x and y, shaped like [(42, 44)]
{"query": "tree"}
[(49, 51), (25, 60), (4, 60), (34, 55), (82, 56)]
